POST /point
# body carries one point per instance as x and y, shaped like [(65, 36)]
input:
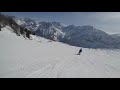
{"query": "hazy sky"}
[(106, 21)]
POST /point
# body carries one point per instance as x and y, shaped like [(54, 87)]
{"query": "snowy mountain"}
[(90, 37), (40, 58), (115, 35), (50, 30), (19, 21), (82, 36), (27, 23)]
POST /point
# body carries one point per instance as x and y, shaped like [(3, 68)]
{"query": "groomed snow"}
[(40, 58)]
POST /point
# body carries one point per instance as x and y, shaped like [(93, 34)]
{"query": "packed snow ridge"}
[(43, 58), (82, 36)]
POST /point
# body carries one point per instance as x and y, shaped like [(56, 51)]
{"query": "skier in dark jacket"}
[(80, 51), (0, 27)]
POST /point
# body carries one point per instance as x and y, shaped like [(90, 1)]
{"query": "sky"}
[(105, 21)]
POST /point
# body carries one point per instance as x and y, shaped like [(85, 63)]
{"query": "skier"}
[(80, 51), (0, 27)]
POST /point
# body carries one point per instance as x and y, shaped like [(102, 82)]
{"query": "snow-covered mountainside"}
[(90, 37), (42, 58), (116, 36), (83, 36), (50, 30)]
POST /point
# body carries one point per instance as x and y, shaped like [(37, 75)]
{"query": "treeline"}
[(9, 21), (25, 32)]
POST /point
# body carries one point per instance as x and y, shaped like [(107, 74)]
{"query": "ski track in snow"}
[(39, 58)]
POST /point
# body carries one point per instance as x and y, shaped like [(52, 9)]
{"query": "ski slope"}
[(40, 58)]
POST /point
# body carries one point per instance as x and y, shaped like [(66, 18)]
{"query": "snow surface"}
[(40, 58)]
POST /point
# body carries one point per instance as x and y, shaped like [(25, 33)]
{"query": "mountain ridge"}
[(83, 36)]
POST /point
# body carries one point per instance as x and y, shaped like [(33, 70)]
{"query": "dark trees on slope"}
[(27, 33), (22, 30), (7, 20), (19, 30)]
